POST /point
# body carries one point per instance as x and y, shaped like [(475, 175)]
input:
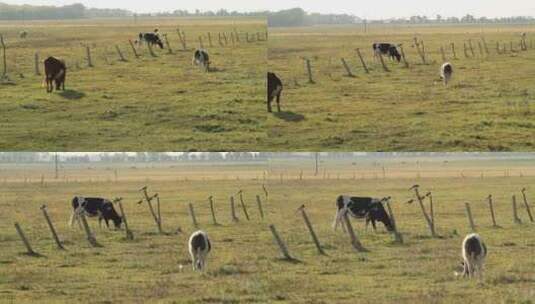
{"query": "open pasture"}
[(159, 102), (487, 107), (244, 265)]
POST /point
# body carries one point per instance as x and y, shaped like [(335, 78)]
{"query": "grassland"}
[(244, 265), (489, 106), (161, 103)]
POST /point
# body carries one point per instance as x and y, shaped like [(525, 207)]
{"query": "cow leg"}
[(278, 102), (71, 221), (373, 225), (100, 222), (269, 104)]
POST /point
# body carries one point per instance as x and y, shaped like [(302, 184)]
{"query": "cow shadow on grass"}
[(72, 94), (289, 116)]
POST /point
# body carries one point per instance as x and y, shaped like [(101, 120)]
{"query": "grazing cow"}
[(151, 38), (55, 73), (369, 208), (200, 57), (386, 49), (274, 90), (474, 254), (446, 72), (199, 247), (23, 34), (92, 207)]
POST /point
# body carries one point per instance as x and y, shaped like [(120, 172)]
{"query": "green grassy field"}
[(488, 106), (244, 265), (161, 103)]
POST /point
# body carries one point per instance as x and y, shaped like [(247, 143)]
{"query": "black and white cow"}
[(199, 247), (474, 252), (446, 72), (93, 207), (371, 209), (201, 58), (274, 90), (55, 74), (151, 38), (388, 49)]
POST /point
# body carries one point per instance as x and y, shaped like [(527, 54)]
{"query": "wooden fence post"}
[(201, 45), (498, 51), (280, 243), (528, 210), (427, 219), (90, 237), (453, 50), (214, 220), (233, 210), (237, 35), (309, 70), (465, 50), (469, 214), (121, 57), (37, 72), (420, 51), (4, 56), (244, 208), (431, 209), (354, 239), (443, 54), (385, 68), (169, 49), (471, 46), (24, 240), (52, 229), (260, 209), (153, 213), (311, 231), (397, 235), (192, 214), (516, 219), (363, 62), (129, 234), (485, 46), (158, 210), (346, 66), (182, 38), (88, 56), (491, 208), (133, 48), (210, 39)]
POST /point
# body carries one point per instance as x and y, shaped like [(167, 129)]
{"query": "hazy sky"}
[(370, 9)]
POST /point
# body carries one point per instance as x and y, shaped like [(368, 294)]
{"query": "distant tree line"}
[(298, 17), (79, 11), (74, 11)]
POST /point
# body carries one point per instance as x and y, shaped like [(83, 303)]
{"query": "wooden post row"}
[(52, 229), (311, 231)]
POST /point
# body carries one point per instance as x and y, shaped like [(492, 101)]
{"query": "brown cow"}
[(55, 73)]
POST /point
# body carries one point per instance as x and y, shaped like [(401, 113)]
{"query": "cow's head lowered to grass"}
[(369, 208)]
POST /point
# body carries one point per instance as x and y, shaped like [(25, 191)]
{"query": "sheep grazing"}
[(199, 247), (446, 72), (474, 253)]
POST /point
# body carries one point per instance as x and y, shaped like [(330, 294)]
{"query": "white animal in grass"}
[(199, 247), (474, 252), (446, 72)]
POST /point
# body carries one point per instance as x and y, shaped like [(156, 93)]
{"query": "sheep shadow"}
[(72, 94), (289, 116)]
